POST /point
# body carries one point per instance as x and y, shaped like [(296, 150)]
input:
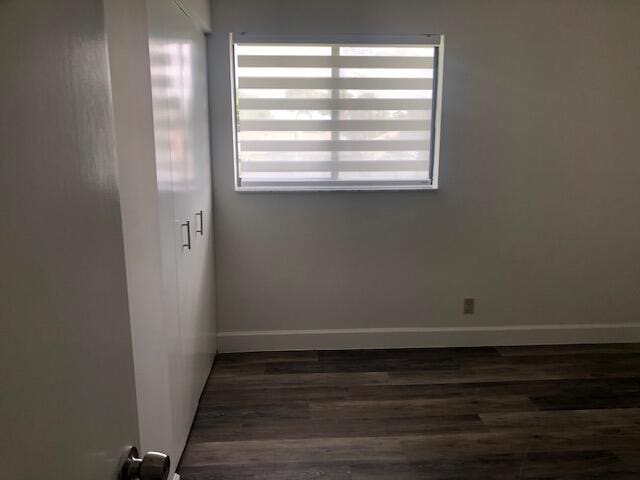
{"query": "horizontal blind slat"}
[(333, 62), (321, 156), (328, 145), (336, 83), (334, 103), (340, 166), (333, 125)]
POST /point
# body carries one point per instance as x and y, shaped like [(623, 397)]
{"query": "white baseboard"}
[(352, 338)]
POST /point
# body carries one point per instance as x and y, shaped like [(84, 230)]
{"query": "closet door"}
[(190, 161), (178, 71), (161, 49), (196, 112)]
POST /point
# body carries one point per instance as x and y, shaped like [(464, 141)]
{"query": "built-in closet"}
[(177, 54), (158, 70)]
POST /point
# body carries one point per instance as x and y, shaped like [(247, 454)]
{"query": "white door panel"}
[(169, 182), (200, 342), (168, 230), (190, 131), (66, 368), (178, 66)]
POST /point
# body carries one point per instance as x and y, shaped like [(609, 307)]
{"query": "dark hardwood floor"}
[(549, 412)]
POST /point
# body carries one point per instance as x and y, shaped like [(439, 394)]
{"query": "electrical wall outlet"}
[(469, 306)]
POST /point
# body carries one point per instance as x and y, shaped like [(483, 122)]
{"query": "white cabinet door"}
[(197, 265), (178, 67), (160, 50)]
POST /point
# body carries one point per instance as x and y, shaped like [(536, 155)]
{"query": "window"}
[(345, 114)]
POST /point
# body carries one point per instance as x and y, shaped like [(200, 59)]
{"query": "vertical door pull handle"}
[(188, 244), (201, 229)]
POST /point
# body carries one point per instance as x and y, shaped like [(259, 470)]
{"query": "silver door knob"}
[(152, 466)]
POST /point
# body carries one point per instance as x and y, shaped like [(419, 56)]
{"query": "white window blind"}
[(343, 115)]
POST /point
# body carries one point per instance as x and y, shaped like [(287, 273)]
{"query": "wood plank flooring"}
[(548, 412)]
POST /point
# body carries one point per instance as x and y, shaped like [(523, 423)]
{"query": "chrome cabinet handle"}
[(201, 229), (188, 244)]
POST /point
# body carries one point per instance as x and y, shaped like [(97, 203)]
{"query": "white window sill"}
[(346, 188)]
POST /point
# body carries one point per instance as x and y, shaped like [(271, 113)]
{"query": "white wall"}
[(537, 215)]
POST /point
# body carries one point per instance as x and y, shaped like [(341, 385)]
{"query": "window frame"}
[(435, 40)]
